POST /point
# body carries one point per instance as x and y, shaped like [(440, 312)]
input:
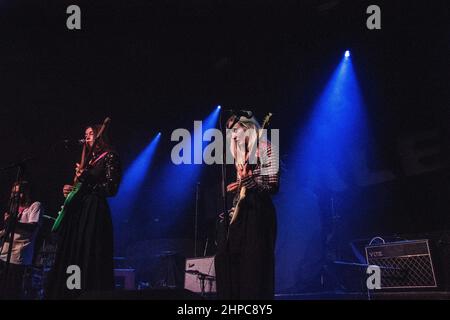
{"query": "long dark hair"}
[(25, 188), (102, 144)]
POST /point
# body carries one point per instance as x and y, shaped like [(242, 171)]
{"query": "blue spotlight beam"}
[(177, 182), (321, 159), (133, 178), (337, 124)]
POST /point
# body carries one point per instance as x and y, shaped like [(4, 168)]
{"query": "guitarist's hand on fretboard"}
[(67, 189), (78, 170), (243, 171), (233, 187)]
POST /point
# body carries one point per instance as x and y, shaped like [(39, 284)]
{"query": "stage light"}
[(321, 165), (219, 107)]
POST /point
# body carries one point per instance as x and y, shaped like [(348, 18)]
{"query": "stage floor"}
[(410, 295)]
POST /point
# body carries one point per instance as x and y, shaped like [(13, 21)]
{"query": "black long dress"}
[(245, 263), (85, 238)]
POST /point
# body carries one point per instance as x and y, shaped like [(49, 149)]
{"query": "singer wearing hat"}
[(245, 264)]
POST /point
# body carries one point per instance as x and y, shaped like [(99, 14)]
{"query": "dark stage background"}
[(159, 65)]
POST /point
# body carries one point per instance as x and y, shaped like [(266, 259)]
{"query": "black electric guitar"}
[(74, 196)]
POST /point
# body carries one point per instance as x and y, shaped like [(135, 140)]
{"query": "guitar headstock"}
[(266, 120), (103, 128)]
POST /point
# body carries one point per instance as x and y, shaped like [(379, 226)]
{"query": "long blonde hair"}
[(248, 150)]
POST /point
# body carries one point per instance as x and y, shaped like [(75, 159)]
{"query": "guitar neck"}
[(82, 163), (84, 156)]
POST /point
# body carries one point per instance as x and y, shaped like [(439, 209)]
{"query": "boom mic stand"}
[(221, 260), (13, 211), (196, 219), (223, 178)]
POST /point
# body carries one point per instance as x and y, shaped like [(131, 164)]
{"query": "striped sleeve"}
[(265, 177)]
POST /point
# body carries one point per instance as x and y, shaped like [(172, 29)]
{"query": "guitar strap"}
[(98, 158)]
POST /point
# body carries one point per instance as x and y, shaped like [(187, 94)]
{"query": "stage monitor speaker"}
[(200, 276), (403, 264)]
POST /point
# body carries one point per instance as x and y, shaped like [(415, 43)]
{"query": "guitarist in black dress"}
[(245, 264), (85, 235)]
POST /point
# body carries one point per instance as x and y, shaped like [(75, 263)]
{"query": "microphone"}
[(79, 141)]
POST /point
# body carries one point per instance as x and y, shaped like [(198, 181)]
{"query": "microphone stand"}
[(13, 211), (226, 220), (202, 277), (224, 175), (196, 220)]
